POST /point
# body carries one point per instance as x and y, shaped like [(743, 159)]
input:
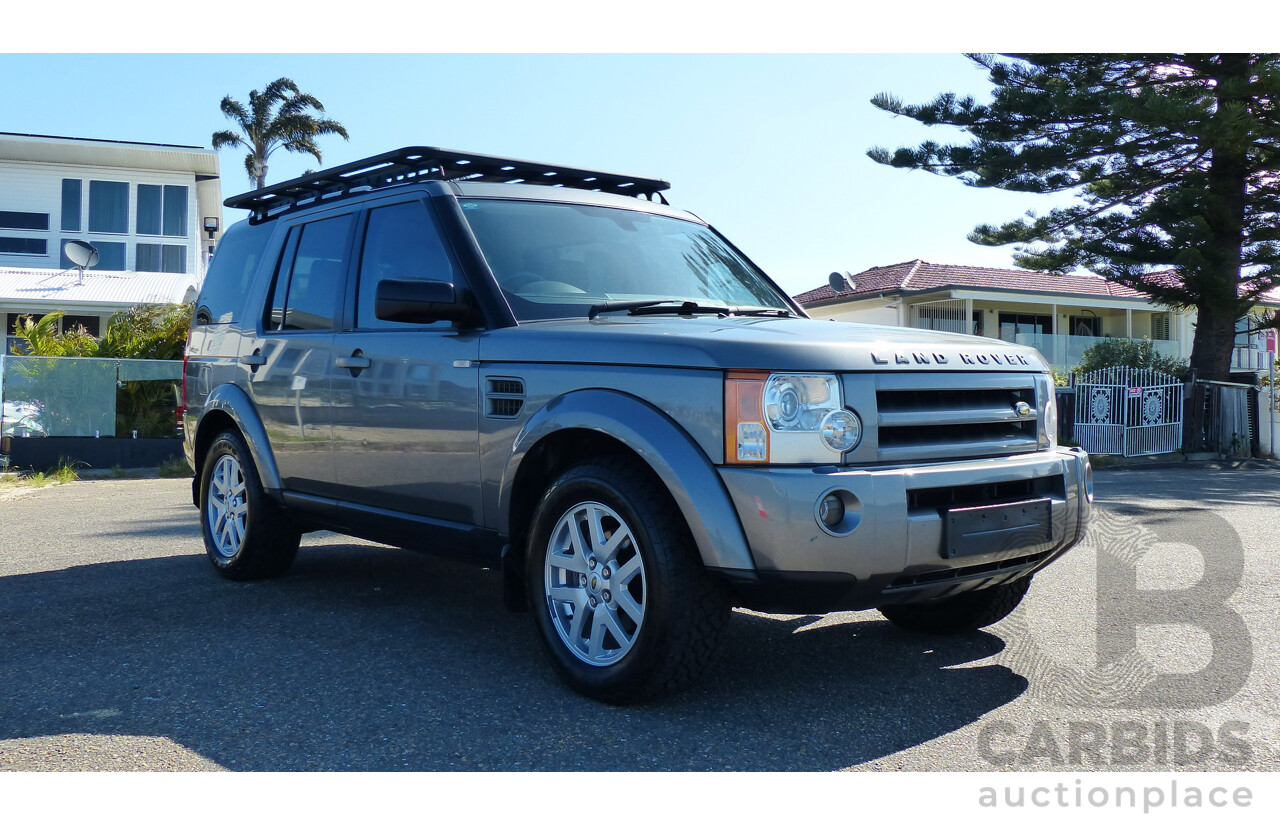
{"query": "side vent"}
[(504, 398)]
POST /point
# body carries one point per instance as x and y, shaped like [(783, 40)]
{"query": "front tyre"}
[(620, 598), (963, 613), (245, 534)]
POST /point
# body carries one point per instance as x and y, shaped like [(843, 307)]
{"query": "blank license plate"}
[(996, 528)]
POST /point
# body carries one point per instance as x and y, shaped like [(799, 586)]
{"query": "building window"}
[(108, 207), (91, 324), (1246, 337), (13, 318), (148, 217), (1013, 325), (175, 212), (1161, 326), (162, 210), (1089, 326), (71, 198), (174, 259), (154, 257), (110, 256), (944, 316), (25, 220), (24, 246)]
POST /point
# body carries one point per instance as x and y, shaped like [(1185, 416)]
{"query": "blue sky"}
[(771, 149)]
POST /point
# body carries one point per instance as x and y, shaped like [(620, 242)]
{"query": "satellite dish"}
[(839, 283), (81, 254)]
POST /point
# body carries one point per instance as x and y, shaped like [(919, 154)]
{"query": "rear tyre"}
[(960, 614), (620, 598), (246, 536)]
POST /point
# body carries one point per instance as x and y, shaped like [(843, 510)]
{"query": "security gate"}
[(1126, 411)]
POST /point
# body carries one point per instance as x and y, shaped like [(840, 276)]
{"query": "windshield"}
[(558, 260)]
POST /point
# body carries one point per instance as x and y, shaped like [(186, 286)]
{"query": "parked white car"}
[(19, 419)]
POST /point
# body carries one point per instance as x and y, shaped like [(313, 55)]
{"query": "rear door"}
[(293, 360), (405, 426)]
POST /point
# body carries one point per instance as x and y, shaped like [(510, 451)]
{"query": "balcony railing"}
[(1063, 352), (1252, 360)]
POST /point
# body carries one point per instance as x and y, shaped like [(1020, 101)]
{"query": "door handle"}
[(254, 361), (354, 362)]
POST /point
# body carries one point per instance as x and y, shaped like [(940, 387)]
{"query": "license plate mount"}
[(997, 528)]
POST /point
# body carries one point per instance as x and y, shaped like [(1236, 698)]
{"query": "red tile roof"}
[(918, 276)]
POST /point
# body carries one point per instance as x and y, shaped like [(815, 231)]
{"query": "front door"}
[(405, 406)]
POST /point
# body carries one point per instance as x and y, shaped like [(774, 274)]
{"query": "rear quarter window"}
[(226, 285)]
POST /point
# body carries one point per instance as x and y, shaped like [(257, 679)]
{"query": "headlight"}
[(787, 418), (1048, 412)]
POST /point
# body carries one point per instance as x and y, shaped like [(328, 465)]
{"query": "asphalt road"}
[(1152, 647)]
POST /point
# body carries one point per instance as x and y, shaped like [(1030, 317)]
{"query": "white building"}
[(1060, 315), (153, 212)]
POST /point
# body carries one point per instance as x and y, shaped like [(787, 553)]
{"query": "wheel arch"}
[(228, 407), (589, 423)]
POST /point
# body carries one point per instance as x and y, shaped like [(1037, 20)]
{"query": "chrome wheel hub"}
[(228, 506), (594, 583)]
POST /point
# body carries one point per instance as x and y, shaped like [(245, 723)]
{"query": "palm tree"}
[(278, 117)]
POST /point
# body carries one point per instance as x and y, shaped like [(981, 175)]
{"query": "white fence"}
[(1125, 411)]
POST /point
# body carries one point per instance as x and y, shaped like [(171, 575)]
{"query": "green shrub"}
[(1126, 352)]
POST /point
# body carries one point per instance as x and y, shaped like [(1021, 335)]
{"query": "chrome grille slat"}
[(945, 416), (968, 415)]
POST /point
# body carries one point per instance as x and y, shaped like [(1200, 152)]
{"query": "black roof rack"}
[(430, 163)]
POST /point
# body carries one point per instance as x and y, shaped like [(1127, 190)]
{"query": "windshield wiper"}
[(663, 307), (776, 313), (632, 307)]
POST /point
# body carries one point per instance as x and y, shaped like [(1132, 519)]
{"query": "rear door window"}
[(308, 289)]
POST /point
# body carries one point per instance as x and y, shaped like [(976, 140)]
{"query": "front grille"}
[(941, 416)]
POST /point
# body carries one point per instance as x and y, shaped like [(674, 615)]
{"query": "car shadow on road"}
[(372, 659)]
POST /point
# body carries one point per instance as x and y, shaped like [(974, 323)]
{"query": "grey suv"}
[(551, 370)]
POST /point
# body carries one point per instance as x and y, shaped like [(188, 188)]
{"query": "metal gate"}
[(1126, 411)]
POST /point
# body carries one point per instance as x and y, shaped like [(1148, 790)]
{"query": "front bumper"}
[(893, 545)]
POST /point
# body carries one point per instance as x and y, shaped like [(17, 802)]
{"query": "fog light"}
[(831, 510)]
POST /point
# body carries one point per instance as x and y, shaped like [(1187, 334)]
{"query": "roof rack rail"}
[(430, 163)]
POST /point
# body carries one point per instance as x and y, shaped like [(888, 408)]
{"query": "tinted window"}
[(108, 207), (148, 215), (154, 257), (24, 220), (89, 323), (23, 246), (70, 205), (162, 210), (400, 241), (237, 258), (173, 259), (315, 279), (110, 256), (175, 211)]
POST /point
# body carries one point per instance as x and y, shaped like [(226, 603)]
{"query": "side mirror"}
[(419, 301)]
